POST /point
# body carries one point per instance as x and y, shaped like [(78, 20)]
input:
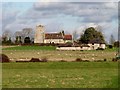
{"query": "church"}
[(57, 38)]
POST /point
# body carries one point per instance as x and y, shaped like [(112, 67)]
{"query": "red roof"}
[(68, 37), (53, 36)]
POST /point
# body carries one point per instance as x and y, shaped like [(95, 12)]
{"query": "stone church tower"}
[(39, 34)]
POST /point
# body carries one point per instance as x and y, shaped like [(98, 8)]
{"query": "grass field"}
[(49, 52), (30, 48), (60, 75)]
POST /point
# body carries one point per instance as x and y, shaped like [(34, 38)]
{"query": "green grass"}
[(60, 75), (30, 48), (112, 49)]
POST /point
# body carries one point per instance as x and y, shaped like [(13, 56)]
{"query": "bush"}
[(114, 59), (99, 61), (22, 61), (116, 44), (69, 44), (86, 61), (78, 60), (27, 40), (99, 49), (110, 46), (34, 60), (4, 58), (105, 59)]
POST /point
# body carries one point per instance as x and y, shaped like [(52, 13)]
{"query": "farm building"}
[(61, 38), (92, 45), (57, 38), (95, 44), (83, 47)]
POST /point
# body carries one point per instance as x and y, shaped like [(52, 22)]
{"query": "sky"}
[(56, 16)]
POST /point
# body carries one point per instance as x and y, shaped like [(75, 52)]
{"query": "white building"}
[(57, 38), (53, 38), (95, 44)]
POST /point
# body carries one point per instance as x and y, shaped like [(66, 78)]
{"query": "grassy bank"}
[(30, 48), (60, 75)]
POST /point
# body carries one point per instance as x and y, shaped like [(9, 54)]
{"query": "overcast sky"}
[(56, 16)]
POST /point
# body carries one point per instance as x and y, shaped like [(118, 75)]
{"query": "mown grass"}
[(34, 47), (31, 48), (60, 75)]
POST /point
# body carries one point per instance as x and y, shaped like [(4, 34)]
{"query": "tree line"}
[(19, 37), (90, 35)]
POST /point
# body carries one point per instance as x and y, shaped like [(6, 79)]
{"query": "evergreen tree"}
[(91, 34), (27, 40)]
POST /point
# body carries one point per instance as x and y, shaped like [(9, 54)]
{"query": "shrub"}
[(105, 59), (99, 49), (27, 40), (99, 61), (22, 61), (34, 60), (114, 59), (116, 44), (110, 46), (78, 60), (86, 61), (68, 44), (4, 58)]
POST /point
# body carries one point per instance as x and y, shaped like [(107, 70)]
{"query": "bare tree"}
[(74, 35), (98, 28), (21, 35), (17, 36), (27, 32), (112, 39), (18, 33), (6, 35)]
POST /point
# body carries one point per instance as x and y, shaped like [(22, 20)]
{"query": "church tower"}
[(39, 34)]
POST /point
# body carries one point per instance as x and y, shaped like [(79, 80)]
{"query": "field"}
[(49, 52), (29, 48), (60, 75)]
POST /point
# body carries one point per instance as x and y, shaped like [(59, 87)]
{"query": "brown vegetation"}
[(114, 59), (34, 60), (78, 60), (4, 58)]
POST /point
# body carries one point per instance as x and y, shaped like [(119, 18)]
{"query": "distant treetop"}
[(92, 36)]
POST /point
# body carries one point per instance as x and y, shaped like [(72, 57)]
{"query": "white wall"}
[(54, 40), (73, 48), (96, 46), (102, 46), (67, 41)]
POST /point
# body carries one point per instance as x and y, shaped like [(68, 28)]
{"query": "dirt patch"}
[(7, 46)]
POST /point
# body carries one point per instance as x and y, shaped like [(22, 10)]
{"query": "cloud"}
[(90, 12), (50, 14)]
